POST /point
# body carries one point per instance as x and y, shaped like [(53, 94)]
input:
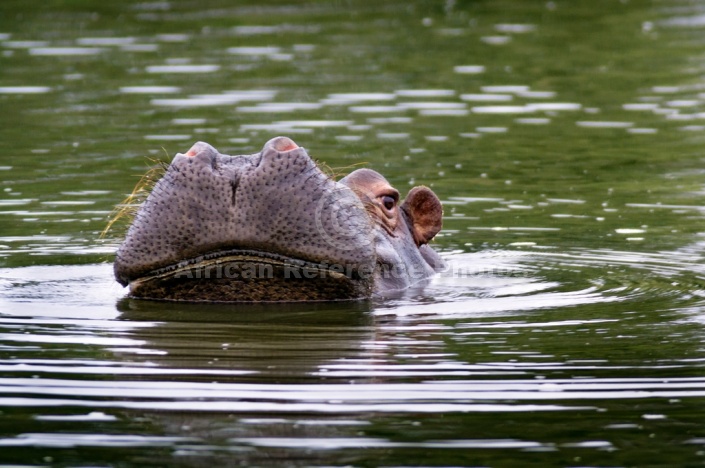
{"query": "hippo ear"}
[(425, 213)]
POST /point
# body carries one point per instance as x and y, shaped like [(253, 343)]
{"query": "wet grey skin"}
[(272, 226)]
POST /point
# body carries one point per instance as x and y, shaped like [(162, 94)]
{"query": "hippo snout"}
[(269, 226)]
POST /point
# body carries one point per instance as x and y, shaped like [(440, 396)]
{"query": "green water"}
[(563, 137)]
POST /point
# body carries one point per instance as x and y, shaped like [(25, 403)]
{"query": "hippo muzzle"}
[(270, 226)]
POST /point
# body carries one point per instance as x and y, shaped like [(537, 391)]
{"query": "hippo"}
[(272, 226)]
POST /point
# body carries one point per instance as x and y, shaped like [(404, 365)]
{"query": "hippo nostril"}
[(200, 148), (282, 144), (193, 151)]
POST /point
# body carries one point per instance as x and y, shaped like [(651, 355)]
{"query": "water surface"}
[(564, 139)]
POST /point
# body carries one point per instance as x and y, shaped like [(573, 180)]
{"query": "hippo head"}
[(272, 226)]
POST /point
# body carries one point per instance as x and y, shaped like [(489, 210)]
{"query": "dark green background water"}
[(565, 139)]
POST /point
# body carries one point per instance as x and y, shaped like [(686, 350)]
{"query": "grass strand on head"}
[(124, 212), (337, 172)]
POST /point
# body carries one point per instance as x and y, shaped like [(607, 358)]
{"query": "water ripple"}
[(69, 51), (182, 68)]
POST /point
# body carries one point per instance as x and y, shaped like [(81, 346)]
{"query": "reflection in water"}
[(24, 89), (183, 68), (283, 341), (59, 51), (150, 89)]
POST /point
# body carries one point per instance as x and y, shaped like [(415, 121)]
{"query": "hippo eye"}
[(388, 202)]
